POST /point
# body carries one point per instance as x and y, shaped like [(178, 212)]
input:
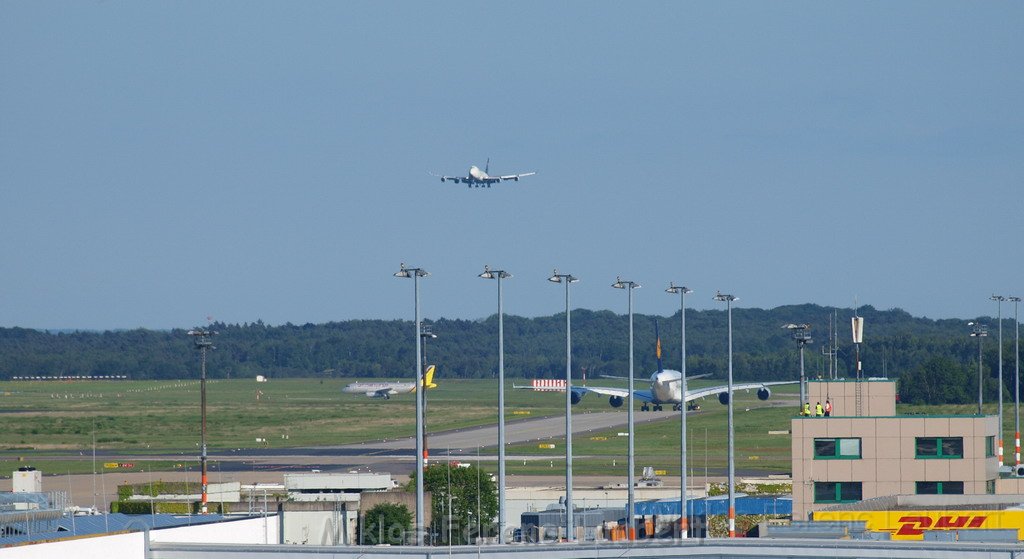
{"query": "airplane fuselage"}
[(477, 174), (667, 387), (379, 387)]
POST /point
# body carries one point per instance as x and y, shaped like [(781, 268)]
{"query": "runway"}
[(519, 431), (396, 456)]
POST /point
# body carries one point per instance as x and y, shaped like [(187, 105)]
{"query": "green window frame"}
[(990, 487), (838, 491), (990, 446), (844, 448), (939, 487), (946, 448)]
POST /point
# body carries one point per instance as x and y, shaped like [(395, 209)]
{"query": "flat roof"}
[(69, 526), (897, 416), (869, 379), (933, 502)]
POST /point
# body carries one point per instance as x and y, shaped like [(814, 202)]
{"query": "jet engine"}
[(763, 393), (723, 398), (575, 397), (615, 401)]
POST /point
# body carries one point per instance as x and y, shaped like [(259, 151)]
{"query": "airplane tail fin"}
[(428, 379), (657, 348), (487, 167)]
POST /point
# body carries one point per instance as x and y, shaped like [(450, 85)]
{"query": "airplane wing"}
[(513, 177), (447, 178), (690, 377), (643, 395), (645, 379), (713, 390), (382, 393)]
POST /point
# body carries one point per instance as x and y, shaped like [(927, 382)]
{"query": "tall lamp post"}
[(999, 310), (684, 520), (1016, 381), (421, 392), (979, 331), (567, 279), (802, 337), (416, 274), (629, 286), (728, 299), (203, 341), (500, 275)]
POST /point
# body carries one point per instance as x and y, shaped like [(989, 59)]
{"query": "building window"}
[(990, 446), (832, 449), (837, 491), (940, 488), (990, 487), (939, 447)]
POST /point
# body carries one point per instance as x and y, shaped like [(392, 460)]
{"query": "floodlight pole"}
[(416, 274), (802, 338), (202, 341), (425, 333), (999, 310), (728, 299), (569, 510), (629, 286), (500, 275), (979, 331), (684, 520), (1016, 382)]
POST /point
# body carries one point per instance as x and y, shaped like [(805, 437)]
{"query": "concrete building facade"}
[(864, 450)]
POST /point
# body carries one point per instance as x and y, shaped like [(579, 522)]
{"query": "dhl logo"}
[(912, 524), (916, 525)]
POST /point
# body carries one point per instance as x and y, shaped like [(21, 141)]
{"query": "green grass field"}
[(44, 419), (151, 417)]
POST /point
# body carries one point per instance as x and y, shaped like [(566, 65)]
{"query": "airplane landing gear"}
[(645, 407)]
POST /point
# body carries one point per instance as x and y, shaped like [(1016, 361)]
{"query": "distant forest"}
[(936, 360)]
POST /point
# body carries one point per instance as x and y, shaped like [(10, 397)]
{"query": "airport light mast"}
[(728, 300), (1016, 382), (802, 337), (629, 286), (999, 310), (567, 279), (979, 331), (421, 392), (416, 274), (684, 520), (203, 341), (500, 275)]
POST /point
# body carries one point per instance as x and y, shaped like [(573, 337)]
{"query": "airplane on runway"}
[(386, 389), (478, 178), (666, 388)]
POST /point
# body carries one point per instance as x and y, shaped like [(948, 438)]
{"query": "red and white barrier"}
[(547, 384)]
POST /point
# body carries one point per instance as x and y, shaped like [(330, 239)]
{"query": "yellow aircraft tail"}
[(428, 380)]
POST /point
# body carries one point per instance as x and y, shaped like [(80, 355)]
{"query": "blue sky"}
[(161, 162)]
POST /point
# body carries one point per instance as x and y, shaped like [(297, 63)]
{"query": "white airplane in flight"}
[(478, 178), (387, 389), (666, 388)]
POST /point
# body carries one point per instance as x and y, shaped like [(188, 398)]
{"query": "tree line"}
[(896, 345)]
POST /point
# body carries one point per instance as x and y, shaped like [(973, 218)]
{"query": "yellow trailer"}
[(912, 524)]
